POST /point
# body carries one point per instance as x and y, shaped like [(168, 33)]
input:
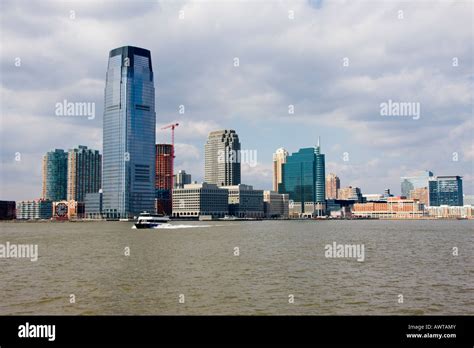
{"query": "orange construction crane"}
[(172, 126)]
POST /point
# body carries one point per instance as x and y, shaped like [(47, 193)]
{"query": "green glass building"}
[(303, 177), (55, 175)]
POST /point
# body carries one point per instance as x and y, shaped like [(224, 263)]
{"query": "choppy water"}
[(277, 258)]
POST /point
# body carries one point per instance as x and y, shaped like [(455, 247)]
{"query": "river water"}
[(236, 268)]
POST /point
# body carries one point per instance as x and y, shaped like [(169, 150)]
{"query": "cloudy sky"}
[(334, 62)]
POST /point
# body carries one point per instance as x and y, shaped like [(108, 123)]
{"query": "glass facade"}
[(408, 183), (93, 205), (304, 176), (446, 190), (55, 175), (128, 172)]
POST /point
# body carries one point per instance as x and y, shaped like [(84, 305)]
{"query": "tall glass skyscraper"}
[(55, 175), (128, 171), (304, 177)]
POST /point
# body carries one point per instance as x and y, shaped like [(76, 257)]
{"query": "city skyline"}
[(303, 179), (269, 107)]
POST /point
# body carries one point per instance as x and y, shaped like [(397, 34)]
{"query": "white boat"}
[(147, 220), (228, 217)]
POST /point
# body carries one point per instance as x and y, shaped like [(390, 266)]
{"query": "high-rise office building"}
[(446, 190), (304, 180), (84, 173), (128, 172), (181, 179), (332, 185), (164, 178), (279, 158), (55, 175), (408, 183), (222, 158)]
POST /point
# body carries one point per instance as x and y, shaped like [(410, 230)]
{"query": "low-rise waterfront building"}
[(68, 210), (275, 205), (245, 202), (394, 208), (195, 200), (306, 209), (374, 197), (7, 210), (37, 209), (337, 208), (451, 212)]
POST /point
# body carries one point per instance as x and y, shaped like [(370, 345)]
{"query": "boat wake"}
[(174, 227)]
